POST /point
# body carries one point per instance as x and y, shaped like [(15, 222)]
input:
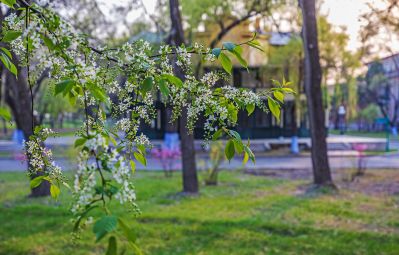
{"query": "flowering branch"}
[(85, 76)]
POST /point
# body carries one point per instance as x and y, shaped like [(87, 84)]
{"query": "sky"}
[(346, 13)]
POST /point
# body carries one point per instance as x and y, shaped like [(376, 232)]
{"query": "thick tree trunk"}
[(190, 179), (321, 168), (17, 97)]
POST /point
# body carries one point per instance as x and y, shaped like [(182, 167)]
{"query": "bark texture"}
[(190, 179), (313, 75)]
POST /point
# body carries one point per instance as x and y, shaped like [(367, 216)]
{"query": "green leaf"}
[(235, 134), (288, 90), (7, 63), (66, 185), (72, 98), (147, 84), (229, 151), (4, 58), (104, 226), (217, 134), (64, 86), (245, 159), (140, 158), (48, 42), (276, 83), (163, 87), (256, 42), (11, 35), (250, 154), (250, 108), (5, 113), (133, 166), (35, 182), (97, 92), (242, 61), (279, 96), (80, 142), (232, 113), (274, 108), (141, 149), (9, 3), (173, 79), (127, 231), (112, 247), (38, 129), (237, 51), (255, 45), (54, 191), (112, 140), (226, 62), (229, 46), (238, 146), (13, 69), (216, 52), (7, 52)]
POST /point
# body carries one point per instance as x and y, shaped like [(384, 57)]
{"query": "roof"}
[(279, 38), (151, 37)]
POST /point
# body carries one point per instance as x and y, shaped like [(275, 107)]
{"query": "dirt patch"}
[(373, 182), (380, 182)]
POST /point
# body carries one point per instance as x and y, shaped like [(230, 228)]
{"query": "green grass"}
[(361, 133), (243, 215)]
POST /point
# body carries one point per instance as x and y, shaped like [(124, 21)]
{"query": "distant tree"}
[(381, 27), (313, 76), (369, 114), (377, 90), (339, 65), (55, 106), (226, 14)]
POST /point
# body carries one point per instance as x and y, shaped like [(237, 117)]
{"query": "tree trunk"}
[(190, 179), (321, 168), (17, 97)]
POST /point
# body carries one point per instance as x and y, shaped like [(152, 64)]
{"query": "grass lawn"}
[(361, 133), (243, 215)]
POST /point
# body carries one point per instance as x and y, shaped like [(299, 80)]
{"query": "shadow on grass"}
[(251, 236)]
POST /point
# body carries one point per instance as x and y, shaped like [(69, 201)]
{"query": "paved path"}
[(338, 158), (390, 161), (335, 142)]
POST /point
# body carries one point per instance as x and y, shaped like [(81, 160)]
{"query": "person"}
[(341, 118)]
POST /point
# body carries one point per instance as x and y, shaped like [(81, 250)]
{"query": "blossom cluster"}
[(41, 158), (100, 157)]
